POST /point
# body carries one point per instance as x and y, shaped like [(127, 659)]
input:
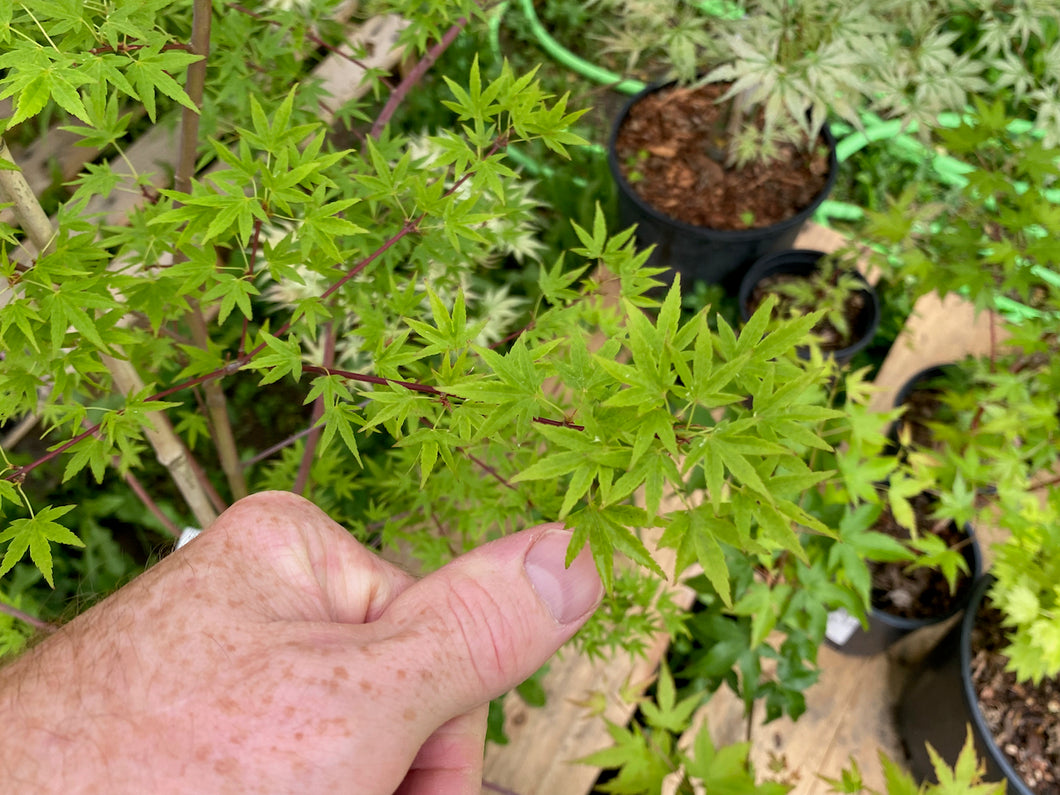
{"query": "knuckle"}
[(490, 634)]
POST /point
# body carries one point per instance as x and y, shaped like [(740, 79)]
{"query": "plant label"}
[(841, 625)]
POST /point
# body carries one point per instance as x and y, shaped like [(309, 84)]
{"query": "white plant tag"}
[(188, 533), (841, 625)]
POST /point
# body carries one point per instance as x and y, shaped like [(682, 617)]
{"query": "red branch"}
[(310, 450), (36, 623), (121, 49), (425, 389), (255, 240), (415, 75), (490, 471), (150, 504)]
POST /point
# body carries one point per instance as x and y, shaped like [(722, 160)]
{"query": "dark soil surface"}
[(1024, 718), (671, 149), (922, 592), (924, 405), (830, 338)]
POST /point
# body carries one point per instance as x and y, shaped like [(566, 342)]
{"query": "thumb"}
[(479, 626)]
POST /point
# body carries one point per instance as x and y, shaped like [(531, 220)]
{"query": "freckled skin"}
[(273, 654)]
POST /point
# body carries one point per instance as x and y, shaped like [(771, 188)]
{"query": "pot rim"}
[(800, 255), (972, 699), (910, 624), (926, 374), (731, 235)]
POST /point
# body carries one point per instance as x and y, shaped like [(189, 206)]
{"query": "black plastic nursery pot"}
[(847, 636), (918, 382), (921, 379), (715, 256), (939, 703), (803, 262)]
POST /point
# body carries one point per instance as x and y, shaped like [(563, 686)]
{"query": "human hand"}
[(276, 654)]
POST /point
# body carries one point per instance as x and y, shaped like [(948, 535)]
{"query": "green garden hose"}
[(576, 64)]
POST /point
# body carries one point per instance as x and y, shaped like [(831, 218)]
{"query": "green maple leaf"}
[(669, 713), (36, 534), (150, 73), (641, 768), (966, 776), (727, 770)]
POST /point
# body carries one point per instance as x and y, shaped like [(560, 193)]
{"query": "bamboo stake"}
[(216, 403), (170, 452)]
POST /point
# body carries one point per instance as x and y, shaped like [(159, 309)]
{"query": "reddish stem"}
[(34, 622), (364, 378), (200, 475), (121, 49), (150, 504), (490, 471), (406, 230), (255, 240), (318, 411), (415, 75), (269, 451), (309, 35)]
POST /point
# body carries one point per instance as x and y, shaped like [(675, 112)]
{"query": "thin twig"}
[(302, 478), (490, 471), (268, 452), (34, 622), (407, 229), (138, 489), (311, 36), (216, 403), (255, 242), (204, 482), (121, 49), (217, 410), (415, 75), (1046, 483), (425, 389)]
